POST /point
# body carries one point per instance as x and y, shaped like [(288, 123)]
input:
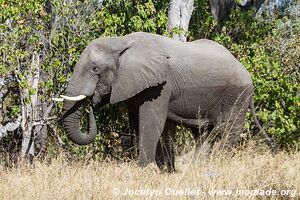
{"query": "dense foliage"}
[(57, 33), (268, 46)]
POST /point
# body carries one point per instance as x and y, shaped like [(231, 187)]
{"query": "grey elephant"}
[(164, 83)]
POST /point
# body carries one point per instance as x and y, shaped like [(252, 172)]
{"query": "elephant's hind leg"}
[(203, 140), (232, 126), (165, 154)]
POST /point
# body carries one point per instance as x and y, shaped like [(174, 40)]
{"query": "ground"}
[(251, 173)]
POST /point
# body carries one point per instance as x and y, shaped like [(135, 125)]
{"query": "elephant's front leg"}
[(152, 118), (133, 115), (165, 154)]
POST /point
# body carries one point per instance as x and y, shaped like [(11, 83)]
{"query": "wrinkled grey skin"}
[(164, 83)]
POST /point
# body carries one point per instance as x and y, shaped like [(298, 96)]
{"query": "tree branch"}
[(9, 127)]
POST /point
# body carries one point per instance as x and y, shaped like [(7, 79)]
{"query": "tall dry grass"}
[(242, 171)]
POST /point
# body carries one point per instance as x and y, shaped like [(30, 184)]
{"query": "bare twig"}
[(9, 127), (56, 136)]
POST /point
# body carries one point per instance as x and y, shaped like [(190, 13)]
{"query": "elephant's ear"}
[(142, 65)]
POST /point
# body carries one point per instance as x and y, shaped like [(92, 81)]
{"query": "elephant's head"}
[(110, 70)]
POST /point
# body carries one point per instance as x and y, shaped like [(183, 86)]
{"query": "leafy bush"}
[(269, 48), (275, 69)]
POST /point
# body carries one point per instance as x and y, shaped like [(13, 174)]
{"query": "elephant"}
[(164, 82)]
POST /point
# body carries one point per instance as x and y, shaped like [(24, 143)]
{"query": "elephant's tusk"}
[(77, 98), (58, 99)]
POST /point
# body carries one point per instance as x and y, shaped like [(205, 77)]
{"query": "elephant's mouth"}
[(100, 100), (96, 98)]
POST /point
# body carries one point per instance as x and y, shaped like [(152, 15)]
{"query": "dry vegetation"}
[(248, 169)]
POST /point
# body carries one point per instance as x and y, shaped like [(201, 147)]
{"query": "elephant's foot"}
[(167, 165), (146, 158), (202, 151)]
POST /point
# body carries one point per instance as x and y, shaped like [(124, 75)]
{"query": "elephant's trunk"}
[(71, 119)]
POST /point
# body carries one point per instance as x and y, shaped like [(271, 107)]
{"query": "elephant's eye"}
[(95, 69)]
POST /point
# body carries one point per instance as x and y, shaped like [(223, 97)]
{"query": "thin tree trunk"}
[(35, 114), (221, 9), (41, 129), (180, 12), (29, 110)]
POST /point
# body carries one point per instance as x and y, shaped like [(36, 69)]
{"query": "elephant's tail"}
[(268, 140)]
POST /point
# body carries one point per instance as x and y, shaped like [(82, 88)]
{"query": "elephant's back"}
[(212, 62), (202, 58), (213, 50)]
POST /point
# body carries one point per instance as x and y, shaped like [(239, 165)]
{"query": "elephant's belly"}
[(201, 103), (188, 122), (191, 111), (194, 104), (191, 103)]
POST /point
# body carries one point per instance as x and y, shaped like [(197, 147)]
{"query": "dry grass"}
[(248, 169)]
